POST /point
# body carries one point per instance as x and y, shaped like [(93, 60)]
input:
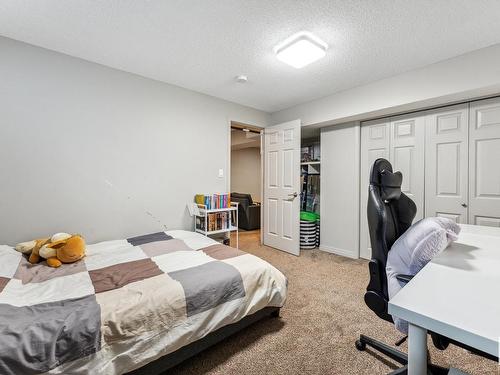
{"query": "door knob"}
[(464, 205), (294, 195)]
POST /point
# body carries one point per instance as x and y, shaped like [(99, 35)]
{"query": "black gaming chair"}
[(390, 214)]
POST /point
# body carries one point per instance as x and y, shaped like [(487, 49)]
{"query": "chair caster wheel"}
[(360, 345)]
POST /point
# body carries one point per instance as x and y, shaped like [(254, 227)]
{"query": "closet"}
[(309, 175), (310, 168), (449, 157)]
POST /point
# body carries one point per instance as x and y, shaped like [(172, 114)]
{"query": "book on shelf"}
[(215, 221), (213, 201)]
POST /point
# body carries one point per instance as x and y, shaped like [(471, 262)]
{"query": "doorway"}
[(282, 209), (246, 180), (310, 172)]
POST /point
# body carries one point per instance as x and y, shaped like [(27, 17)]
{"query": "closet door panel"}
[(484, 163), (446, 172), (374, 144), (407, 156)]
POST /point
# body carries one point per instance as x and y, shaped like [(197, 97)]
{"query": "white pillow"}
[(414, 249), (433, 243)]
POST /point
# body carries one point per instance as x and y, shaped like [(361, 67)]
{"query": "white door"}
[(281, 202), (446, 158), (401, 141), (374, 144), (407, 156), (484, 163)]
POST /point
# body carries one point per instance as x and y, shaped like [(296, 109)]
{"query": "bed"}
[(146, 302)]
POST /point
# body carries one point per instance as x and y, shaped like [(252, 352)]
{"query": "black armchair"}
[(390, 213), (248, 211)]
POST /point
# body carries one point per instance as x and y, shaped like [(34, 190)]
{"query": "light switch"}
[(221, 172)]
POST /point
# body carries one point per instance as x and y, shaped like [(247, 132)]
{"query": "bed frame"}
[(168, 361)]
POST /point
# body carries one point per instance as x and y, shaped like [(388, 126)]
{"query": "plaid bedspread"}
[(126, 303)]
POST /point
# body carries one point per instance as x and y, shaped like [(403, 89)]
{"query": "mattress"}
[(127, 303)]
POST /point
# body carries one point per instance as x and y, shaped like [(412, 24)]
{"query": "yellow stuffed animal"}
[(58, 249)]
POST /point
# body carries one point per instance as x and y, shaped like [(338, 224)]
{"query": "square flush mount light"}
[(301, 49)]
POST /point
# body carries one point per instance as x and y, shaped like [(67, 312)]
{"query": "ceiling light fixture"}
[(301, 49)]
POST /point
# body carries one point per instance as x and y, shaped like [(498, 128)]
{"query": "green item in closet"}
[(308, 216)]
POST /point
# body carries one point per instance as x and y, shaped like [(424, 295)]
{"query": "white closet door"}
[(446, 160), (407, 156), (484, 163), (374, 144), (401, 141)]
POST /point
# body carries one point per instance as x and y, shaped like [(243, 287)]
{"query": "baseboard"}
[(337, 251)]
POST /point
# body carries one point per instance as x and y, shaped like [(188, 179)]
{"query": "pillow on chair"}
[(434, 243), (414, 249)]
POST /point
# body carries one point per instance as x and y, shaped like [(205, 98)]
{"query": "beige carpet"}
[(323, 316)]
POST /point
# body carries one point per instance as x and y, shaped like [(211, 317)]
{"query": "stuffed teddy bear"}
[(58, 249)]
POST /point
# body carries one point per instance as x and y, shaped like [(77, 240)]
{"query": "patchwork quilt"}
[(127, 303)]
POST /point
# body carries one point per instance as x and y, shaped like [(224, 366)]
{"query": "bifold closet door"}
[(484, 162), (374, 144), (401, 141), (407, 156), (449, 158), (446, 163)]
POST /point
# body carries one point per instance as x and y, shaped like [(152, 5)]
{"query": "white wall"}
[(340, 150), (245, 172), (104, 153), (465, 77)]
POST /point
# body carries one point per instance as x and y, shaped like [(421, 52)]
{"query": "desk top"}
[(457, 294)]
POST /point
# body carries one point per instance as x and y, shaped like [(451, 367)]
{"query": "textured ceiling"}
[(202, 45)]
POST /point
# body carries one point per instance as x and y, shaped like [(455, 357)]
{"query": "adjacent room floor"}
[(322, 318)]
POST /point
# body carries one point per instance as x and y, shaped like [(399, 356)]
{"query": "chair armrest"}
[(253, 209), (254, 217), (404, 278)]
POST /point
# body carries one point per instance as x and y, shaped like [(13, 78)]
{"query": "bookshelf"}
[(217, 221)]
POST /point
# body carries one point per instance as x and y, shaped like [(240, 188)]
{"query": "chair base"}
[(396, 355), (383, 348)]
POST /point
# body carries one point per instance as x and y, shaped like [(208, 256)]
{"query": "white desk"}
[(457, 295)]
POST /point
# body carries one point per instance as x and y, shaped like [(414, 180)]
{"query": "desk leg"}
[(417, 350)]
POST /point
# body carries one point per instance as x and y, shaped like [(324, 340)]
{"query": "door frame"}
[(240, 125)]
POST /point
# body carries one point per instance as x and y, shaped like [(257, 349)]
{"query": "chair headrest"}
[(239, 197), (390, 184), (388, 181)]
